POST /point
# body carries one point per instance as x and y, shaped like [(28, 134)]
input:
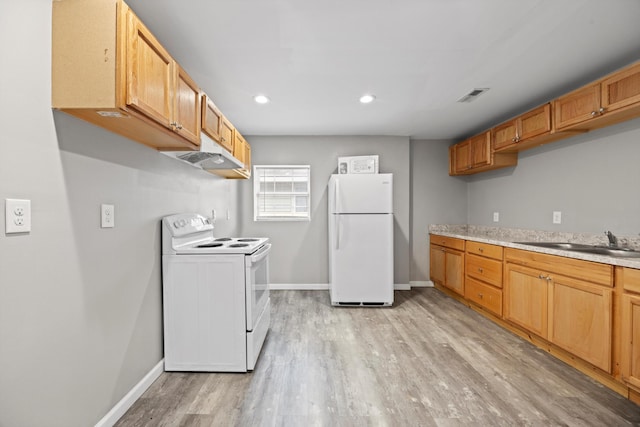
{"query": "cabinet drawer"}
[(487, 270), (449, 242), (485, 249), (629, 278), (484, 295)]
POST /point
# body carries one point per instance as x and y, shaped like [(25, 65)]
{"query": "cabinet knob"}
[(480, 270), (481, 296), (540, 276), (601, 110), (594, 113), (480, 250)]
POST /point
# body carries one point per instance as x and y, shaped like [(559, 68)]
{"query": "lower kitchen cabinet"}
[(447, 263), (585, 313), (580, 320), (484, 295), (526, 298), (570, 312), (630, 356), (629, 280), (483, 271)]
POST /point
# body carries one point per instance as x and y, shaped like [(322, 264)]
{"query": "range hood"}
[(210, 156)]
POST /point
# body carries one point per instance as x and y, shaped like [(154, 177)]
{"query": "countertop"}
[(508, 236)]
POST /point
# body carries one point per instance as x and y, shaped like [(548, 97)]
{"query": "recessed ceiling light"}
[(365, 99), (261, 99)]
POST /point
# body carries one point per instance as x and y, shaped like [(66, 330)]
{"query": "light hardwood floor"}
[(428, 361)]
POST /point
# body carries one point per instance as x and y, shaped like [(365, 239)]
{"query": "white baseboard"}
[(324, 286), (129, 399), (422, 284), (299, 286)]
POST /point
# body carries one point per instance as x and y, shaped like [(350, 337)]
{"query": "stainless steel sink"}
[(587, 249), (615, 252), (557, 245)]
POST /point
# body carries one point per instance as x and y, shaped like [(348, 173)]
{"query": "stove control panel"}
[(183, 224)]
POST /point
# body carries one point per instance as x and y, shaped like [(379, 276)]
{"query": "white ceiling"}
[(315, 58)]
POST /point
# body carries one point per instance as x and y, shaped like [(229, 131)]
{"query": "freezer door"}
[(361, 259), (363, 193)]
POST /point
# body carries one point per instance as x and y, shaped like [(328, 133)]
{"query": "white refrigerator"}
[(361, 239)]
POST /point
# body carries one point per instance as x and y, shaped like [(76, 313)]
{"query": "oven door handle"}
[(262, 252)]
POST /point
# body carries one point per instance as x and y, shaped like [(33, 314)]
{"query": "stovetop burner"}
[(239, 245), (247, 240), (210, 245), (223, 239)]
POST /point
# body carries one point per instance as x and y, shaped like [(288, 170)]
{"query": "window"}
[(281, 193)]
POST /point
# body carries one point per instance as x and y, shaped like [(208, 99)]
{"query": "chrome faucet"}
[(613, 240)]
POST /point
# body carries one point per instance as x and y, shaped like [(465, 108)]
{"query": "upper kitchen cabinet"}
[(108, 69), (241, 151), (215, 125), (611, 100), (525, 131), (227, 132), (186, 106), (476, 155)]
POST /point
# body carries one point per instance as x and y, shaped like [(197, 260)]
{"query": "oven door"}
[(257, 284)]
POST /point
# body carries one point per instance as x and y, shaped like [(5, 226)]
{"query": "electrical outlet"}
[(107, 216), (557, 217), (496, 216), (17, 216)]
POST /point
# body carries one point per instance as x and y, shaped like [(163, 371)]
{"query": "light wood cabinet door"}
[(247, 157), (534, 123), (149, 75), (481, 149), (526, 298), (580, 320), (239, 145), (436, 264), (577, 107), (505, 135), (462, 156), (186, 107), (454, 271), (622, 89), (447, 266), (212, 120), (519, 133), (630, 335), (226, 134)]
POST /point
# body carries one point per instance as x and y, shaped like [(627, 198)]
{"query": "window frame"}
[(285, 217)]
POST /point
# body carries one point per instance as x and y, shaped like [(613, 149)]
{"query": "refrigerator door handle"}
[(337, 219)]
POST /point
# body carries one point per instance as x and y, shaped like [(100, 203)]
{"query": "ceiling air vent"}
[(473, 94)]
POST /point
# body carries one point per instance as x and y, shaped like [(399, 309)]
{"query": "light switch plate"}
[(107, 216), (17, 216), (557, 217), (496, 216)]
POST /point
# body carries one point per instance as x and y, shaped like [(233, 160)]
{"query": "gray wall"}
[(80, 306), (300, 251), (592, 179), (436, 198)]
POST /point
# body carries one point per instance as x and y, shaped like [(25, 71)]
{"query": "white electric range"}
[(215, 297)]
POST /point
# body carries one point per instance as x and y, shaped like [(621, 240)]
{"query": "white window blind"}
[(281, 193)]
